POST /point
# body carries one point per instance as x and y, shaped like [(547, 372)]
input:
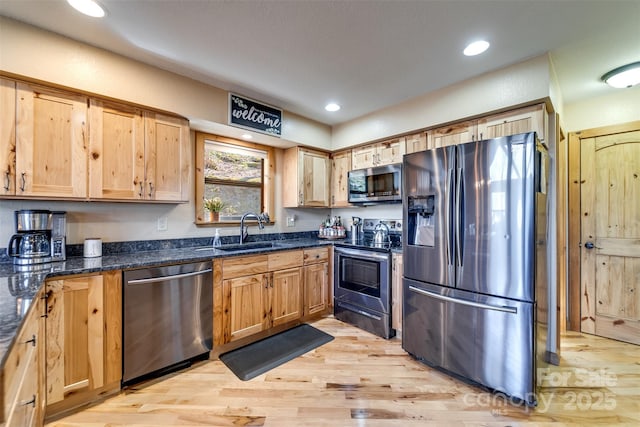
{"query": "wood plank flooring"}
[(361, 380)]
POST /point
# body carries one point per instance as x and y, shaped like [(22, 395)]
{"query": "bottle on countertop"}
[(216, 239)]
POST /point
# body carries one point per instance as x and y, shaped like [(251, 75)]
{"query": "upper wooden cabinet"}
[(378, 154), (137, 155), (340, 167), (512, 122), (51, 143), (416, 142), (8, 136), (457, 133), (306, 178)]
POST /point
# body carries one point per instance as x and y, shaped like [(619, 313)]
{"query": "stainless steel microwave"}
[(380, 184)]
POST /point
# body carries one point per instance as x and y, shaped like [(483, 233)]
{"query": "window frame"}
[(267, 185)]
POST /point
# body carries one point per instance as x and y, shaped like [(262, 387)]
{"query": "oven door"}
[(362, 278)]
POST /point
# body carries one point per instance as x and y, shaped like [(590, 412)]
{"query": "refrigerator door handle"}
[(505, 309), (449, 217), (459, 216)]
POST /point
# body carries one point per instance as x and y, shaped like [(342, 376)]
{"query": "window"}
[(236, 172)]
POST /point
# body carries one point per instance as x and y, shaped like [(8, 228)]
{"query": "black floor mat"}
[(257, 358)]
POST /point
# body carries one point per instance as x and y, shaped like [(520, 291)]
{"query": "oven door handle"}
[(359, 252)]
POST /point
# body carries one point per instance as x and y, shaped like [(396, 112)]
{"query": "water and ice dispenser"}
[(421, 213)]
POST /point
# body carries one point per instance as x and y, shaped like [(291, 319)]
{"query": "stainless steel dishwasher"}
[(167, 318)]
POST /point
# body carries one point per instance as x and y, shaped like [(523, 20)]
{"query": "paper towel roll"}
[(92, 247)]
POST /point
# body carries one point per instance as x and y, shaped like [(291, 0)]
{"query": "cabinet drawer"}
[(312, 256), (244, 266), (282, 260)]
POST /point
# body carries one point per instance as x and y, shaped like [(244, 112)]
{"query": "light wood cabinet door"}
[(51, 143), (454, 134), (22, 378), (8, 137), (363, 157), (340, 167), (116, 155), (246, 307), (513, 122), (396, 292), (286, 296), (416, 142), (389, 152), (84, 337), (316, 286), (306, 178), (167, 158)]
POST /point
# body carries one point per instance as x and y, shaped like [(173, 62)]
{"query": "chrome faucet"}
[(263, 219)]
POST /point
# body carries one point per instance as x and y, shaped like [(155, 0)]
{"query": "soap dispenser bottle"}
[(216, 239)]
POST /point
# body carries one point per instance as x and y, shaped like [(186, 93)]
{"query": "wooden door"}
[(51, 138), (286, 296), (316, 285), (513, 122), (75, 337), (8, 136), (417, 142), (340, 167), (314, 170), (166, 158), (610, 237), (116, 157), (363, 157), (245, 306), (391, 151), (454, 134)]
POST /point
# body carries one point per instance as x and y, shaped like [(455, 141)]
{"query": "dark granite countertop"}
[(18, 288)]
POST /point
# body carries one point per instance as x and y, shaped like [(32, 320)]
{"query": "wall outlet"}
[(291, 221), (163, 223)]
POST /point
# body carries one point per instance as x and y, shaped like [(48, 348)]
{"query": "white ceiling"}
[(364, 54)]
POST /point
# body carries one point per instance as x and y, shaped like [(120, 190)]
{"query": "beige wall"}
[(620, 107)]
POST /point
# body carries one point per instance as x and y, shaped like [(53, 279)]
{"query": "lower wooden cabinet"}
[(316, 280), (84, 339), (23, 376), (396, 293)]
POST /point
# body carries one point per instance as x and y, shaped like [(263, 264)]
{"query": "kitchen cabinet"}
[(136, 154), (22, 378), (512, 122), (51, 143), (416, 142), (340, 167), (454, 134), (378, 154), (258, 292), (306, 178), (8, 136), (396, 292), (84, 338), (316, 280)]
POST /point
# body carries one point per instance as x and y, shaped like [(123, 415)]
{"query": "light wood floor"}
[(362, 380)]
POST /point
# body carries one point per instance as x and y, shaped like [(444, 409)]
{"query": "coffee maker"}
[(32, 242)]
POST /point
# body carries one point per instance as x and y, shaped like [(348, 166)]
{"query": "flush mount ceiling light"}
[(88, 7), (625, 76), (476, 48), (332, 107)]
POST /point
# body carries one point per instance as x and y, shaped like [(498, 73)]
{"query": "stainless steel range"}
[(362, 276)]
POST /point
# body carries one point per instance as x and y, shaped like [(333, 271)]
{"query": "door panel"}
[(610, 195)]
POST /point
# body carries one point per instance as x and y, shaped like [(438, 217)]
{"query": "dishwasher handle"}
[(167, 278)]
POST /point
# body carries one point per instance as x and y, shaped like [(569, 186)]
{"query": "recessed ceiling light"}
[(88, 7), (625, 76), (246, 136), (476, 48), (332, 106)]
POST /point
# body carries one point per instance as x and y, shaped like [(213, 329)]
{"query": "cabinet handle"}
[(32, 341), (24, 181), (31, 402), (141, 189), (7, 182), (150, 189), (265, 280), (45, 297), (301, 199)]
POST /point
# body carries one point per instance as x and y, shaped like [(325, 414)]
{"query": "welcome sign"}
[(249, 114)]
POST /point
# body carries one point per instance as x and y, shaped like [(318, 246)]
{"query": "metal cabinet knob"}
[(589, 245)]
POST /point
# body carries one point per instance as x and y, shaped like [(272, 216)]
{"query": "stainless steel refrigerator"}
[(474, 250)]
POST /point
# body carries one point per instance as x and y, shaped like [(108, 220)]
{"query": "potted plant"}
[(214, 206)]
